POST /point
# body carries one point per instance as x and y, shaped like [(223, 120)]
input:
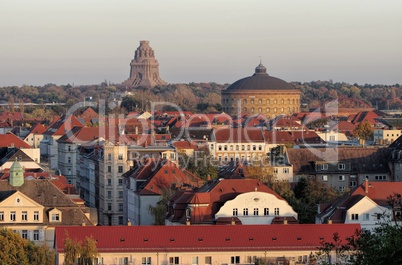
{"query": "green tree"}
[(158, 211), (200, 164)]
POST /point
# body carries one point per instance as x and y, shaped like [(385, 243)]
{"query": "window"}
[(268, 109), (366, 217), (69, 148), (254, 148), (1, 216), (276, 211), (36, 235), (380, 177), (220, 147), (355, 216), (260, 147), (256, 211), (252, 110), (341, 189), (235, 260), (120, 194), (68, 159), (55, 217), (109, 157), (12, 216), (324, 178), (285, 170), (237, 148), (120, 169), (36, 216), (109, 169), (120, 220), (251, 259), (248, 147), (109, 206), (245, 101), (245, 211), (260, 101), (146, 261), (353, 183), (324, 167), (208, 260), (231, 147), (174, 260), (252, 101), (235, 212), (341, 166), (120, 207), (282, 101), (341, 177), (109, 182), (120, 156), (109, 194), (266, 211), (24, 234), (276, 170), (225, 148), (24, 216), (120, 182), (194, 260)]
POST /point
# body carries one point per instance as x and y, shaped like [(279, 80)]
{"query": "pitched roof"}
[(11, 140), (362, 159), (205, 238), (214, 193), (238, 135), (63, 125), (38, 128), (45, 193), (277, 137)]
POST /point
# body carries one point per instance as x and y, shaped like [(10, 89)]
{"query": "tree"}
[(342, 251), (158, 211), (16, 250), (81, 253), (200, 164), (364, 131)]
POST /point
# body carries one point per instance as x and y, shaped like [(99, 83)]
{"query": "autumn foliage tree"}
[(363, 131), (80, 253), (16, 250)]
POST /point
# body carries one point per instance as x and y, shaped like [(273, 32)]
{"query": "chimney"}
[(128, 222), (285, 222), (187, 221), (329, 221), (83, 223), (233, 222), (366, 185)]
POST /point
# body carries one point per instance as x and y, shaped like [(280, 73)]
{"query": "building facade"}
[(261, 93)]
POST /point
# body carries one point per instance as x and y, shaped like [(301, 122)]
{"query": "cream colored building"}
[(386, 136), (207, 245), (34, 207), (261, 93), (256, 208)]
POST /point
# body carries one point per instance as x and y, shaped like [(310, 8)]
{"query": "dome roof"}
[(260, 80)]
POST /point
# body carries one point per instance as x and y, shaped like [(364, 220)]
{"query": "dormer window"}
[(324, 167), (341, 166), (55, 217)]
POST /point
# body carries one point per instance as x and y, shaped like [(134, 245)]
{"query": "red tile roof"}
[(205, 238), (11, 140), (38, 129), (277, 137), (63, 125)]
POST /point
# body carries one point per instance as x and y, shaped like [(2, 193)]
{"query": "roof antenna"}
[(260, 60)]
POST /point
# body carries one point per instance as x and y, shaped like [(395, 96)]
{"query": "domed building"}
[(261, 93)]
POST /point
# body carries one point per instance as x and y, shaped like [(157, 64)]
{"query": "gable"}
[(18, 199), (366, 204)]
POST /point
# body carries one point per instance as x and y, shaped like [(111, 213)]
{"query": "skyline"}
[(85, 43)]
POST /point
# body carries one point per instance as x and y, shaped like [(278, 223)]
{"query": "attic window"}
[(145, 239), (274, 238), (172, 240), (256, 199), (250, 238), (200, 239), (299, 238), (227, 239), (321, 238), (122, 240)]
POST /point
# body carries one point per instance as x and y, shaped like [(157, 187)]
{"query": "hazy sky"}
[(88, 41)]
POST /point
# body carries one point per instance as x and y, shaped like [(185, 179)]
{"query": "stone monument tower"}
[(144, 68)]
